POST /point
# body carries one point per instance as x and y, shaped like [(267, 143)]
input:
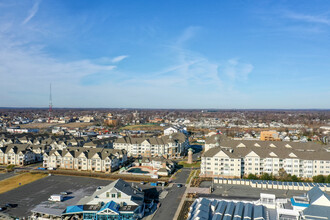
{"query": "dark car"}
[(179, 185), (2, 208), (10, 205)]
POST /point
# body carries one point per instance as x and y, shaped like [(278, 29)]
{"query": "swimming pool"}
[(137, 170)]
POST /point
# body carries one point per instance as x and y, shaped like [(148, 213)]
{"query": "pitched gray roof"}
[(315, 193), (307, 151), (176, 137), (103, 153), (317, 211), (137, 196)]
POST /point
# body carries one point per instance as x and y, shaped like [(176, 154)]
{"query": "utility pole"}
[(50, 104)]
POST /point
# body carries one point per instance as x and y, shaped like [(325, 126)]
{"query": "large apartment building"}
[(22, 154), (236, 158), (169, 146), (80, 158)]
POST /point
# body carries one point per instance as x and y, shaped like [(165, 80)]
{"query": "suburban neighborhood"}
[(168, 164)]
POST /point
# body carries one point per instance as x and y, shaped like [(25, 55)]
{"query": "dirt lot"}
[(143, 127), (68, 125)]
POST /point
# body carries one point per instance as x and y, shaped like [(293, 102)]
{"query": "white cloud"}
[(119, 58), (187, 34), (192, 69), (308, 18), (236, 70), (26, 72), (32, 12)]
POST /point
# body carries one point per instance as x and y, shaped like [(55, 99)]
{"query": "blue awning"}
[(74, 209)]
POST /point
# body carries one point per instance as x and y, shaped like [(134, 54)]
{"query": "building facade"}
[(233, 158), (85, 159), (170, 146), (269, 136), (22, 154)]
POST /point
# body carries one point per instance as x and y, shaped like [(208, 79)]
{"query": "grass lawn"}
[(148, 127), (186, 165), (192, 173), (19, 180)]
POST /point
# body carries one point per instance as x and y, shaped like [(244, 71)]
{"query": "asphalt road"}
[(171, 202)]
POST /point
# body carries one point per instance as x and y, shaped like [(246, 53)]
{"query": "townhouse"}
[(22, 154), (87, 159), (236, 158), (169, 146)]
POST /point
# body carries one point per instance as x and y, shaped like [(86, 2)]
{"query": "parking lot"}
[(6, 175), (29, 196), (33, 195), (247, 192)]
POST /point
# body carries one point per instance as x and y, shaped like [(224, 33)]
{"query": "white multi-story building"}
[(233, 158), (22, 154), (175, 129), (169, 146), (80, 158)]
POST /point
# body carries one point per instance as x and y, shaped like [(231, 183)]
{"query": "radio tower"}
[(50, 103)]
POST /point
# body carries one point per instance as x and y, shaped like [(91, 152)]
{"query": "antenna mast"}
[(50, 103)]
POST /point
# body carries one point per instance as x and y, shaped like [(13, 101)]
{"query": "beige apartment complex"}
[(22, 154), (80, 158), (169, 146), (269, 136), (236, 158)]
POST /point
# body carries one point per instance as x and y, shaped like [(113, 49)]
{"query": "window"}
[(113, 195), (108, 194)]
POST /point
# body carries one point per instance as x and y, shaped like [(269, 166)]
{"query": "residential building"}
[(269, 136), (22, 154), (175, 129), (169, 146), (83, 159), (111, 122), (233, 158), (118, 200)]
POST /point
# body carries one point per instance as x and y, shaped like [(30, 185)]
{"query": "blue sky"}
[(165, 54)]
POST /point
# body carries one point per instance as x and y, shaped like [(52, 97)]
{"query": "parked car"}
[(179, 185), (142, 182), (2, 208), (10, 205), (64, 193)]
